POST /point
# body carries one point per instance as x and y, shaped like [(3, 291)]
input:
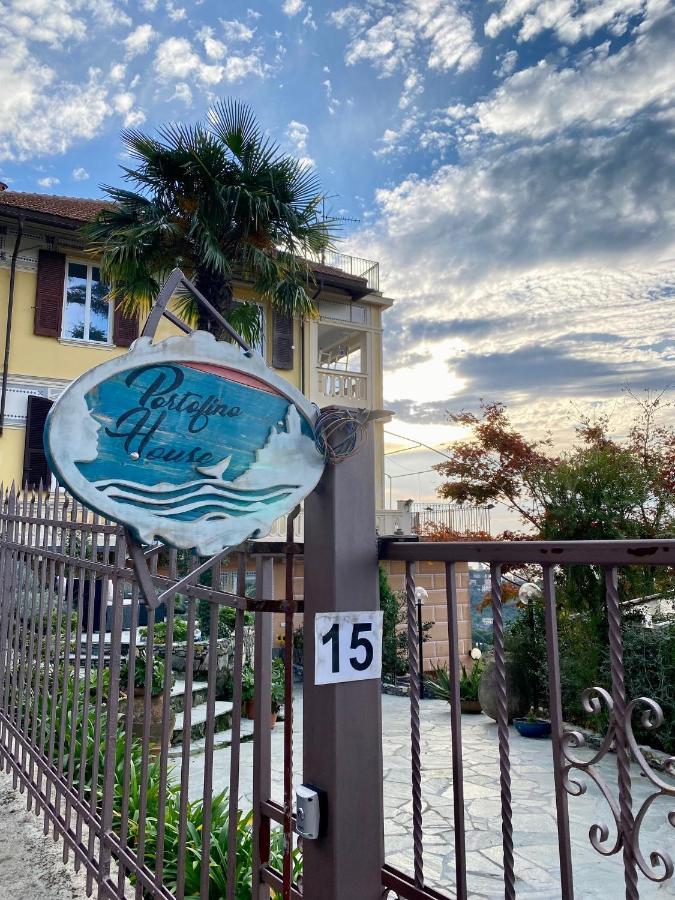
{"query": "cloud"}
[(507, 63), (138, 41), (298, 134), (235, 30), (80, 174), (40, 114), (124, 103), (177, 60), (292, 7), (570, 20), (183, 93), (394, 36), (512, 208), (599, 90), (48, 181)]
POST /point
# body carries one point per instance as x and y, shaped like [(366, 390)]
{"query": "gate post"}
[(343, 722)]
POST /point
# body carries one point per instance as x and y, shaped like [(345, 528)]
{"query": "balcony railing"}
[(352, 265), (342, 387), (448, 515)]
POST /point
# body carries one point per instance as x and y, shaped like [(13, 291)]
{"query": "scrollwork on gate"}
[(660, 866)]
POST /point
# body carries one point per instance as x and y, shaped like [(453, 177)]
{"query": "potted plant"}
[(157, 671), (534, 724), (468, 687), (248, 690)]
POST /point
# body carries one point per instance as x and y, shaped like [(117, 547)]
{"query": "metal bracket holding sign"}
[(190, 442), (347, 647)]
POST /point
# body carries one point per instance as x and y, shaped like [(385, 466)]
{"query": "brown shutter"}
[(125, 328), (49, 294), (282, 340), (35, 466)]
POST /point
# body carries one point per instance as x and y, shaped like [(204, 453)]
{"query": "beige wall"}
[(56, 362), (431, 576)]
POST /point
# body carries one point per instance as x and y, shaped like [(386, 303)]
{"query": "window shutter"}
[(282, 340), (49, 294), (125, 328), (35, 466)]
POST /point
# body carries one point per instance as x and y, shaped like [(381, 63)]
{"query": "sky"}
[(510, 163)]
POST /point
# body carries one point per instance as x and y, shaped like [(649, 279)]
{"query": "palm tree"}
[(221, 201)]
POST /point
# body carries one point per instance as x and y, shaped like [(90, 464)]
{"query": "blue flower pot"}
[(537, 729)]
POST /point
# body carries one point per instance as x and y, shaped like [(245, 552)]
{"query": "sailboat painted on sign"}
[(188, 441)]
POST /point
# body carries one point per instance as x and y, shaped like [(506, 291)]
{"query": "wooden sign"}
[(188, 441)]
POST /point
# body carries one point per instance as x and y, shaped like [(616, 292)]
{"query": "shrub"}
[(394, 635), (180, 631), (439, 682), (226, 617), (157, 668), (649, 665)]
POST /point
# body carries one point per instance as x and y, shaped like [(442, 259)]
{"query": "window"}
[(342, 349), (87, 314), (344, 312)]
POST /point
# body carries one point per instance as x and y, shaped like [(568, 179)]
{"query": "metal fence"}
[(81, 743), (459, 519), (94, 752), (568, 768)]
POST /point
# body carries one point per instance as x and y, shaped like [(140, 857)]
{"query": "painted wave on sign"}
[(271, 479)]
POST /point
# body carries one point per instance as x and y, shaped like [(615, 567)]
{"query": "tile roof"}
[(77, 209)]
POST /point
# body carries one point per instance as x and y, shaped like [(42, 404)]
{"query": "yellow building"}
[(56, 322)]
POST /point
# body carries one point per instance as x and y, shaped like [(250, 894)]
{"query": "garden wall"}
[(431, 576)]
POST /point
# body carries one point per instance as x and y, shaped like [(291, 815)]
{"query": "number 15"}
[(357, 643)]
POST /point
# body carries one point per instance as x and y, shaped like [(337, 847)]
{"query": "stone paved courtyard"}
[(536, 857)]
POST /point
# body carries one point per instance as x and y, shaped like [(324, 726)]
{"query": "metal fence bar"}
[(41, 579), (555, 711), (128, 732), (185, 752), (32, 561), (145, 742), (98, 701), (75, 720), (164, 745), (456, 731), (50, 566), (415, 754), (235, 752), (111, 723), (288, 710), (207, 796), (503, 733), (262, 745), (627, 819)]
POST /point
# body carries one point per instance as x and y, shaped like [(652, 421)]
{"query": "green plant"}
[(180, 631), (220, 200), (247, 683), (440, 685), (140, 673), (226, 619), (278, 672), (394, 635)]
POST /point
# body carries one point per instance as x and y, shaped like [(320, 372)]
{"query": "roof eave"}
[(41, 218)]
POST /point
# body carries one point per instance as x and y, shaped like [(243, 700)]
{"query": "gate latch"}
[(309, 801)]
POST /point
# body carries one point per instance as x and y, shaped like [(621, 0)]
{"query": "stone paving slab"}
[(536, 855)]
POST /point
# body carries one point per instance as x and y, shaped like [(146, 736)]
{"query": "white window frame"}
[(86, 340)]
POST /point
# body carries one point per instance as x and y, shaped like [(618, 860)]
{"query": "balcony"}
[(351, 265), (342, 388)]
